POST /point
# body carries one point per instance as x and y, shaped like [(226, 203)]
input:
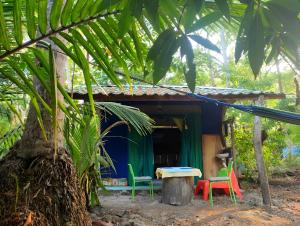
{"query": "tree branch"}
[(51, 33)]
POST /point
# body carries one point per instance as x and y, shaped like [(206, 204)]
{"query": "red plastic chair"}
[(204, 186)]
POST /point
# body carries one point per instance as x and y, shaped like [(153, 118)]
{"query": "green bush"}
[(272, 147)]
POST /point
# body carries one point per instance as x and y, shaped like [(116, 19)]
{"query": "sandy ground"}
[(119, 209)]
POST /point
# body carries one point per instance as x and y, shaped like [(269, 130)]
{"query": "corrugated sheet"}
[(140, 90)]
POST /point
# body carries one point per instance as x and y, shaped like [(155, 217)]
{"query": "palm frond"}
[(141, 122), (9, 139)]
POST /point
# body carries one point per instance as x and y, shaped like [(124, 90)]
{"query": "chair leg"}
[(210, 195), (151, 188), (232, 192), (133, 191)]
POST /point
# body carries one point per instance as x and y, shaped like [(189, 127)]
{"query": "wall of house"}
[(212, 116), (116, 144), (211, 145)]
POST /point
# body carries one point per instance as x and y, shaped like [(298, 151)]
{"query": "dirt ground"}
[(118, 208)]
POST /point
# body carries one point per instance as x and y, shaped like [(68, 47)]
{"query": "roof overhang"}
[(142, 93)]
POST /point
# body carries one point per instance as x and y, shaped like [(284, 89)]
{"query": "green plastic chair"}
[(223, 176), (143, 179)]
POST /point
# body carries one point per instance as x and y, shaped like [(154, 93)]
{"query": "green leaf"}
[(86, 11), (291, 5), (170, 9), (39, 116), (67, 97), (94, 8), (192, 8), (111, 29), (145, 28), (65, 15), (205, 42), (138, 45), (3, 31), (107, 4), (151, 7), (14, 80), (30, 18), (106, 43), (17, 21), (275, 50), (190, 77), (65, 49), (87, 76), (204, 21), (41, 56), (36, 71), (224, 7), (163, 59), (186, 49), (241, 40), (76, 12), (42, 16), (55, 13), (103, 61), (132, 9), (28, 84), (256, 53), (159, 43), (13, 109)]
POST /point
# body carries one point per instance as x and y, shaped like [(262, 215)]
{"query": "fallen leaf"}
[(29, 220)]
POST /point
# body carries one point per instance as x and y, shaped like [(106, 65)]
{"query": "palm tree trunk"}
[(34, 186), (33, 142)]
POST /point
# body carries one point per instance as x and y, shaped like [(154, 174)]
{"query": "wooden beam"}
[(232, 140), (262, 174)]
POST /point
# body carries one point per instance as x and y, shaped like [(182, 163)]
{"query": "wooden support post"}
[(232, 138), (262, 175)]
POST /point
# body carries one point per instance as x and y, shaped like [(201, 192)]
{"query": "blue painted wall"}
[(211, 118), (116, 144)]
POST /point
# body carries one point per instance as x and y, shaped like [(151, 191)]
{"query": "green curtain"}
[(140, 151), (191, 142)]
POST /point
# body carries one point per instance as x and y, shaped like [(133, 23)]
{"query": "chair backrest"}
[(131, 171), (230, 167)]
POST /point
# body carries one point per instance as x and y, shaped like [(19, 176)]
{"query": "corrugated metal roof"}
[(147, 90)]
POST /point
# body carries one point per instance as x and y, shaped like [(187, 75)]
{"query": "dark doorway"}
[(166, 147)]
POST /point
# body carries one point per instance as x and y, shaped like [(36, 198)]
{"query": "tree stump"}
[(177, 191)]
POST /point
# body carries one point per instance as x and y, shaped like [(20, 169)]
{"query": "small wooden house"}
[(187, 132)]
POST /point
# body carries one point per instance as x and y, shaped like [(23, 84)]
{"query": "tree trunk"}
[(224, 47), (211, 73), (35, 187), (262, 174), (279, 76), (297, 91), (232, 139), (177, 191)]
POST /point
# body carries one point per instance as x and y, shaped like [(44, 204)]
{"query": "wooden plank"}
[(262, 174), (211, 146)]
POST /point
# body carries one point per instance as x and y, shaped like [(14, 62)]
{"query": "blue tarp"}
[(294, 150)]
